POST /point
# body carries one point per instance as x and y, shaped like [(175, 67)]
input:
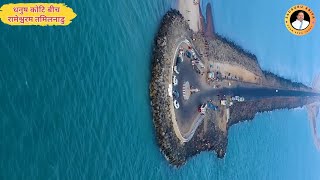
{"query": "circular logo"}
[(300, 20)]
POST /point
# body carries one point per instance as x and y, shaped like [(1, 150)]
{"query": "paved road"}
[(188, 109), (248, 93)]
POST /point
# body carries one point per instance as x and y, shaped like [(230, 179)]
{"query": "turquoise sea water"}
[(74, 101)]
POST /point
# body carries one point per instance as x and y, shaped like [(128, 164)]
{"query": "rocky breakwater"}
[(165, 45), (174, 29), (247, 110)]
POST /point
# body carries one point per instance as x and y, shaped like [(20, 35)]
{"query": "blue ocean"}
[(74, 101)]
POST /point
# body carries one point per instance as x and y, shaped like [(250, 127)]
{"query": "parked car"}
[(175, 94), (175, 69), (175, 80), (181, 52), (235, 98), (179, 60), (176, 104)]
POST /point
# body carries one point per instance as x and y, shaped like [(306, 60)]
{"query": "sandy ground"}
[(190, 11), (243, 74), (221, 119)]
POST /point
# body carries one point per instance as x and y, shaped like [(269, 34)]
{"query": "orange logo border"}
[(297, 8)]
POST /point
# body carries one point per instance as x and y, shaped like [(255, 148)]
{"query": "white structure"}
[(194, 90), (211, 75), (170, 90), (237, 98), (226, 103), (186, 90)]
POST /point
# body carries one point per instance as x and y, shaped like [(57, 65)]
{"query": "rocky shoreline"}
[(174, 28), (161, 102), (247, 110)]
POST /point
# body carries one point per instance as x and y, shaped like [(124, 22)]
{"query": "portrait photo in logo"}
[(300, 20)]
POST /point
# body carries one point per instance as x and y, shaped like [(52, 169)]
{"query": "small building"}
[(226, 102), (211, 75), (203, 108)]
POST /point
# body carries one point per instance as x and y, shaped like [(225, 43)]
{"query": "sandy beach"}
[(190, 10)]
